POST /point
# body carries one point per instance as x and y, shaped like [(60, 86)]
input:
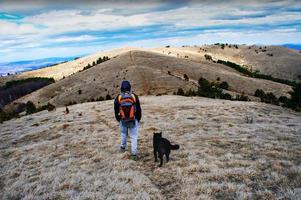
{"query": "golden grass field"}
[(222, 155)]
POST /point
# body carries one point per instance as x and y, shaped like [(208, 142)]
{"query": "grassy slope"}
[(74, 156)]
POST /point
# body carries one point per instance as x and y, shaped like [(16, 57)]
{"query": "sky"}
[(40, 29)]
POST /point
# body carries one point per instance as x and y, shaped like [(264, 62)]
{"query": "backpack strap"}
[(134, 98), (119, 98)]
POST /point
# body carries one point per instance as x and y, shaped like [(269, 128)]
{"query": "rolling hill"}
[(151, 74)]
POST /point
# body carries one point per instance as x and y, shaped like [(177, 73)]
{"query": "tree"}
[(224, 85), (30, 107), (295, 100), (208, 57), (259, 93)]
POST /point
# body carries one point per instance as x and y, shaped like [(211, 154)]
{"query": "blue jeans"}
[(134, 136)]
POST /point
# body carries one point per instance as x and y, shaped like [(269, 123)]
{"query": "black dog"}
[(162, 146)]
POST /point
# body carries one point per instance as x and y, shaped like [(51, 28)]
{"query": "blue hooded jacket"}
[(126, 87)]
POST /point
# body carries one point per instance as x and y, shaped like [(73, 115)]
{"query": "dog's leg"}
[(167, 156), (155, 154), (161, 159)]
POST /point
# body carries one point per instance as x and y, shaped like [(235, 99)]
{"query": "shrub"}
[(295, 101), (266, 97), (108, 97), (259, 93), (207, 89), (270, 98), (180, 92), (4, 116), (99, 60), (50, 107), (79, 91), (190, 93), (167, 46), (242, 97), (30, 107), (224, 85), (186, 77), (226, 96), (208, 57), (283, 99), (100, 98)]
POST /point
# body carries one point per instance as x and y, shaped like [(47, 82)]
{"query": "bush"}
[(79, 91), (100, 99), (295, 101), (4, 116), (207, 89), (270, 98), (259, 93), (108, 97), (226, 96), (266, 97), (30, 107), (242, 97), (180, 92), (283, 99), (186, 77), (99, 60), (224, 85), (208, 57), (190, 93)]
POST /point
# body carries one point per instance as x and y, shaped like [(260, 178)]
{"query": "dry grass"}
[(50, 155)]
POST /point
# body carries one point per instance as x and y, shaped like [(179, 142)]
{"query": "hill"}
[(51, 155), (150, 73), (277, 61)]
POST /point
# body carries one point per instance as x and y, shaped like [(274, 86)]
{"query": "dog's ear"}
[(160, 133)]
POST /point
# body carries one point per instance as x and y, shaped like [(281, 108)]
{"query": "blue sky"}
[(40, 29)]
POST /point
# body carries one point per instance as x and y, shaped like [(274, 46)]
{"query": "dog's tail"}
[(174, 147)]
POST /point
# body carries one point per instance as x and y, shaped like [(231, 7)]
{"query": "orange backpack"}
[(127, 107)]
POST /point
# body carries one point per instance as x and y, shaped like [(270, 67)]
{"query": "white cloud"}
[(53, 27), (81, 38), (13, 29)]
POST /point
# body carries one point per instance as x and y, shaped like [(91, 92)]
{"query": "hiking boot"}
[(121, 149), (134, 157)]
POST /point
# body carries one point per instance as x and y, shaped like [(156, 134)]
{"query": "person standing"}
[(128, 113)]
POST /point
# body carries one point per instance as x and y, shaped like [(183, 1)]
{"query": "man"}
[(128, 113)]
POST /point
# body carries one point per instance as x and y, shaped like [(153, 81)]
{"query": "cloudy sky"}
[(41, 29)]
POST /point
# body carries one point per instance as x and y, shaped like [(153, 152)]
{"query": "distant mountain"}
[(22, 66), (293, 46)]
